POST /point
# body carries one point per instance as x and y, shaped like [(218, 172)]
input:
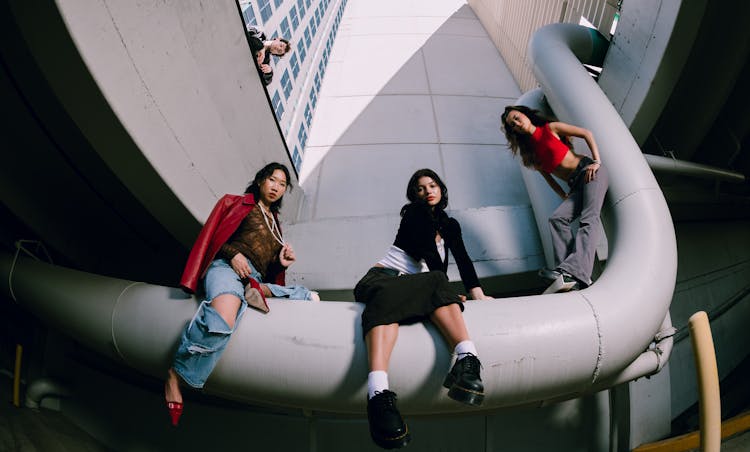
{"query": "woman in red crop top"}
[(545, 146)]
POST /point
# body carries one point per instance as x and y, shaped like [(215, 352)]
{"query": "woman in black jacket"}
[(408, 285)]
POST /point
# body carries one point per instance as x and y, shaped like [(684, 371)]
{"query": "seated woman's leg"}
[(201, 345), (387, 427), (450, 322), (209, 331), (206, 337), (380, 341), (464, 382)]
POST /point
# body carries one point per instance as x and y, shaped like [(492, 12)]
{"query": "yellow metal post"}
[(17, 377), (708, 382)]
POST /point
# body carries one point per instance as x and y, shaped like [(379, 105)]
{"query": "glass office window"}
[(286, 84), (302, 136), (278, 107), (307, 2), (308, 115), (294, 64), (293, 17), (313, 26), (278, 3), (284, 30), (301, 7), (248, 15), (264, 6), (308, 37), (296, 158), (313, 98), (302, 53)]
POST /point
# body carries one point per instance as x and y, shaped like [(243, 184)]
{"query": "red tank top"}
[(548, 149)]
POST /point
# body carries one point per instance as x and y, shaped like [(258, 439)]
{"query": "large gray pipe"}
[(311, 355)]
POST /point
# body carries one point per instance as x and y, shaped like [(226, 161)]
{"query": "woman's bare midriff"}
[(569, 164)]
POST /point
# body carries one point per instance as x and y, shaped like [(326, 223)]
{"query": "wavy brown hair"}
[(519, 142)]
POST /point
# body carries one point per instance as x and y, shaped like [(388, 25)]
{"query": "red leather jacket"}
[(224, 219)]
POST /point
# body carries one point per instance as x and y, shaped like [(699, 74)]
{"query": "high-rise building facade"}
[(311, 27)]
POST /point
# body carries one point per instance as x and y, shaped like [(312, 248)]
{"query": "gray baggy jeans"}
[(575, 254)]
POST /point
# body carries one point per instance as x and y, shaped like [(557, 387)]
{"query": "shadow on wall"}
[(394, 102)]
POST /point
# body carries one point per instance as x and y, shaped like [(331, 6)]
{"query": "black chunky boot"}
[(463, 381), (387, 427)]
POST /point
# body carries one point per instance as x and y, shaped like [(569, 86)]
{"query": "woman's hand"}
[(286, 255), (240, 266), (591, 172)]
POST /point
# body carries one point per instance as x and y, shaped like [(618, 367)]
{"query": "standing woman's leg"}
[(560, 229), (580, 262)]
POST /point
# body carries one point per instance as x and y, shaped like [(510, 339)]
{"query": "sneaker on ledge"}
[(550, 275)]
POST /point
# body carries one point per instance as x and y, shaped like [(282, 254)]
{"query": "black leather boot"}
[(387, 427), (463, 381)]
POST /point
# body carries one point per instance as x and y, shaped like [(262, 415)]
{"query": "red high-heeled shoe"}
[(254, 296), (175, 411)]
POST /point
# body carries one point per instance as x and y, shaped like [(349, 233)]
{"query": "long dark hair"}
[(262, 175), (519, 142), (412, 187)]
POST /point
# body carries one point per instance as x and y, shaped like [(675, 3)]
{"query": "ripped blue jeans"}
[(207, 334)]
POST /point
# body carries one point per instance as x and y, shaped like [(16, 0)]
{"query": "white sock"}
[(377, 381), (464, 347)]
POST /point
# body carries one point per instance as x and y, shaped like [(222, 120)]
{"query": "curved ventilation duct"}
[(534, 349)]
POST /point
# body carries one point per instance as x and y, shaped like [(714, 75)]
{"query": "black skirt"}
[(405, 299)]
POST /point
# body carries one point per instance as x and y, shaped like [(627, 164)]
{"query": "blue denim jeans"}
[(207, 334)]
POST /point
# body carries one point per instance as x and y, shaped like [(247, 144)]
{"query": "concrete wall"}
[(178, 75), (408, 87)]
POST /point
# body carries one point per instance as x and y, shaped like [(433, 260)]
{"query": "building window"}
[(284, 31), (308, 38), (317, 16), (265, 9), (302, 136), (301, 7), (296, 158), (294, 64), (307, 2), (293, 17), (317, 82), (248, 15), (313, 26), (302, 53), (278, 3), (308, 115), (286, 84), (278, 107), (313, 98)]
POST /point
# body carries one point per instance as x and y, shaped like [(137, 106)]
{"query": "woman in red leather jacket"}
[(241, 257), (545, 146)]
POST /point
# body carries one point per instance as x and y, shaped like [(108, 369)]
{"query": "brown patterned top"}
[(254, 240)]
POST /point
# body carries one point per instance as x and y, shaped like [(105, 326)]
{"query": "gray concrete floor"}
[(43, 430)]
